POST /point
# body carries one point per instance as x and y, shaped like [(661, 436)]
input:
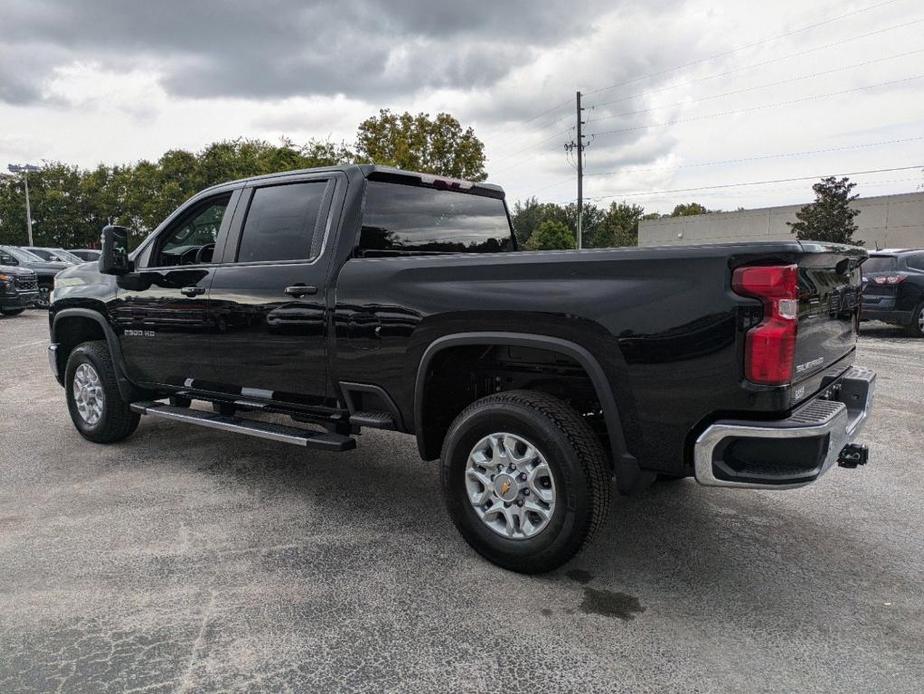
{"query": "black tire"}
[(11, 311), (579, 469), (117, 421), (916, 327), (44, 300)]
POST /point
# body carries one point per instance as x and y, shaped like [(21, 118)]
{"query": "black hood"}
[(13, 270)]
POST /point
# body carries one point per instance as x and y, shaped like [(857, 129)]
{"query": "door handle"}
[(300, 290), (192, 291)]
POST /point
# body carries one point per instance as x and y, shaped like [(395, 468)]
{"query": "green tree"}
[(527, 216), (690, 209), (551, 235), (418, 143), (71, 205), (830, 217), (620, 225)]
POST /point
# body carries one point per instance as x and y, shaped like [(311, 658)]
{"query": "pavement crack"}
[(186, 681)]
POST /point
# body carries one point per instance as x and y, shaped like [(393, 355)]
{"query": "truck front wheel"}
[(525, 480), (96, 406)]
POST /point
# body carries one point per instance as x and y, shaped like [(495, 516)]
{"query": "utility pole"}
[(578, 147), (24, 170)]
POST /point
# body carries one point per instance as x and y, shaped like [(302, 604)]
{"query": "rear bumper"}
[(886, 316), (791, 452), (883, 308)]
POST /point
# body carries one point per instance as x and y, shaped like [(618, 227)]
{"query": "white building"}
[(886, 221)]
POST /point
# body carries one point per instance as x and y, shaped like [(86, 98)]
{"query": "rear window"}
[(880, 263), (415, 219)]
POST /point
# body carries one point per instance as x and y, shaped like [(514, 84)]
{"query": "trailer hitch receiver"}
[(853, 454)]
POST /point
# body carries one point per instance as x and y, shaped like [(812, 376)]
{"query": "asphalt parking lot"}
[(188, 560)]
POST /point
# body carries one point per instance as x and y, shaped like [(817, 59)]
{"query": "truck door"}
[(268, 297), (161, 309)]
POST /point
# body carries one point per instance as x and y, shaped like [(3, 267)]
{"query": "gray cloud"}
[(281, 48)]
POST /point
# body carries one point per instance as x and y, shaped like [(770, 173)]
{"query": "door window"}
[(191, 241), (283, 223), (916, 261)]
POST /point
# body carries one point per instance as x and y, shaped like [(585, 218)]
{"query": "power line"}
[(744, 47), (742, 68), (561, 105), (759, 157), (533, 146), (504, 157), (761, 107), (761, 86), (539, 115), (652, 193)]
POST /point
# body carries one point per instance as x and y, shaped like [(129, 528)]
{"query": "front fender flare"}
[(126, 388)]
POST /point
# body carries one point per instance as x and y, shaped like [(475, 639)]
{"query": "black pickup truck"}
[(19, 289), (361, 297)]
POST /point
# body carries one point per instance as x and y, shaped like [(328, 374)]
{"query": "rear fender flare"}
[(625, 465)]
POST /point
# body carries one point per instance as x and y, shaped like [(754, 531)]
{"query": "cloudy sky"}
[(680, 95)]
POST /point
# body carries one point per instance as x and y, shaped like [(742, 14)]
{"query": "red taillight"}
[(890, 279), (770, 347)]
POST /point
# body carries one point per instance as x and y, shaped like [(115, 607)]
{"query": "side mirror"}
[(114, 258)]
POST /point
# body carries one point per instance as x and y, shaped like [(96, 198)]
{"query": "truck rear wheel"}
[(525, 480), (96, 406)]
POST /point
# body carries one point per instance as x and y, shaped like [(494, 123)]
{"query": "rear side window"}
[(282, 223), (402, 219), (880, 263), (916, 261)]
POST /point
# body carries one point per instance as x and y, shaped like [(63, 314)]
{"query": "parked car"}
[(361, 297), (55, 255), (87, 254), (45, 270), (18, 289), (893, 288)]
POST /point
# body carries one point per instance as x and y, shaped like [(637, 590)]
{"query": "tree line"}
[(70, 205)]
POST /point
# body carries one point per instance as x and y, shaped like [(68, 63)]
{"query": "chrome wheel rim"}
[(921, 320), (88, 394), (510, 486)]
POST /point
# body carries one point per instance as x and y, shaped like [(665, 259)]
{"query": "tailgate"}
[(829, 303)]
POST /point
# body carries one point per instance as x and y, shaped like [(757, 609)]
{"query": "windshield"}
[(22, 256), (880, 263), (67, 256)]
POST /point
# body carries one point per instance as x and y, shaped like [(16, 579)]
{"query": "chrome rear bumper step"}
[(323, 440), (791, 452)]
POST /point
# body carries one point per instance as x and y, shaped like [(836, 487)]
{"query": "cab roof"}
[(375, 171)]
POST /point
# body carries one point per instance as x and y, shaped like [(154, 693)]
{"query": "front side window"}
[(283, 223), (191, 241), (401, 219)]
